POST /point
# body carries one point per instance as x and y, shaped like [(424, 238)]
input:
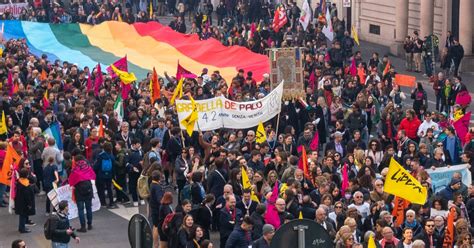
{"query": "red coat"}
[(410, 127)]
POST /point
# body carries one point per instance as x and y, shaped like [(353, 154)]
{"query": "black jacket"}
[(239, 238), (60, 235), (260, 243), (216, 182), (437, 241), (226, 224), (25, 200)]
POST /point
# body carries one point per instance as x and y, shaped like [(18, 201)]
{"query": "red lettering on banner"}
[(251, 106)]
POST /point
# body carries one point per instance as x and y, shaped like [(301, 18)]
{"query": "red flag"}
[(120, 64), (99, 80), (45, 101), (271, 216), (345, 179), (126, 88), (462, 126), (280, 19), (399, 209), (353, 68), (312, 80), (101, 128), (303, 162), (314, 145), (10, 83), (181, 72), (387, 68), (253, 29), (361, 74), (463, 98), (449, 234)]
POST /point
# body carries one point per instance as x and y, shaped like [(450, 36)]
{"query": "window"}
[(374, 29)]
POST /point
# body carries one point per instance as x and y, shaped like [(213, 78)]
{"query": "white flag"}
[(118, 108), (327, 30), (306, 15)]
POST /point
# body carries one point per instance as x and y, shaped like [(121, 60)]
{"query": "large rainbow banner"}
[(146, 45)]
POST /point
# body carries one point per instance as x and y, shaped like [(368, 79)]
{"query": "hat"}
[(267, 228), (454, 181), (337, 133)]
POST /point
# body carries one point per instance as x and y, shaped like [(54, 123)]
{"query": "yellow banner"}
[(399, 182)]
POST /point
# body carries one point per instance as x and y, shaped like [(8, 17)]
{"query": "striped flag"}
[(54, 131), (280, 19), (118, 108)]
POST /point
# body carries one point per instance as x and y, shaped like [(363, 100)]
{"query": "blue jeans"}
[(80, 208), (59, 245), (22, 222)]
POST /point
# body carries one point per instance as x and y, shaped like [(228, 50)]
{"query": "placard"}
[(15, 8), (286, 64), (220, 112), (441, 177), (65, 193)]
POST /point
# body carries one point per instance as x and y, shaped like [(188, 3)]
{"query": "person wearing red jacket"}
[(410, 125)]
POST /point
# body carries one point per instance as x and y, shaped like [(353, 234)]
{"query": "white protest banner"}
[(441, 177), (65, 193), (14, 8), (220, 112)]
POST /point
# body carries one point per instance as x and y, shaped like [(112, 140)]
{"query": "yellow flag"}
[(190, 121), (151, 9), (1, 52), (119, 17), (116, 185), (3, 124), (355, 36), (178, 91), (371, 243), (399, 182), (246, 184), (125, 77), (260, 134), (301, 216)]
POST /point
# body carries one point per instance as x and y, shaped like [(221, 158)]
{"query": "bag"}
[(84, 188), (166, 226), (106, 167), (186, 192), (146, 161), (50, 225), (143, 188)]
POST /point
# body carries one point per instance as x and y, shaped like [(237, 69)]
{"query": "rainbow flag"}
[(146, 45)]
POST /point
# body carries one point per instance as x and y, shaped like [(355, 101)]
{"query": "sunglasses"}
[(338, 207)]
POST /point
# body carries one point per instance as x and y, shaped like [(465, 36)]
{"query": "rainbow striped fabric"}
[(146, 45)]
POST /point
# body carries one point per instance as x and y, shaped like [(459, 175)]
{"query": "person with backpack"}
[(58, 229), (185, 231), (50, 176), (197, 190), (24, 200), (134, 168), (176, 222), (103, 168), (165, 214), (80, 181), (121, 159), (156, 194)]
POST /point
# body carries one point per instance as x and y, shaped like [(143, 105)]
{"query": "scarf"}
[(411, 225), (81, 172)]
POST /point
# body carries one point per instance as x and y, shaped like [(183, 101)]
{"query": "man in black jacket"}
[(456, 53), (63, 232), (228, 218), (428, 235), (266, 239)]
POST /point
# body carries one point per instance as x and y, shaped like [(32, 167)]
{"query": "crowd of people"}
[(361, 121)]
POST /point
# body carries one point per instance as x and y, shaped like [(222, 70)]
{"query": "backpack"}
[(146, 161), (186, 192), (143, 188), (167, 223), (84, 188), (106, 167), (50, 225)]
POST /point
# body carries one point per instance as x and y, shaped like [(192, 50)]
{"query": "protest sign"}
[(65, 193), (14, 8), (441, 177), (220, 112)]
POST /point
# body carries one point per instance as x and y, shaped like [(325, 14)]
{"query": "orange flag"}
[(16, 88), (387, 68), (303, 163), (361, 74), (101, 128), (449, 234), (11, 158), (405, 80), (43, 75), (155, 93), (399, 209)]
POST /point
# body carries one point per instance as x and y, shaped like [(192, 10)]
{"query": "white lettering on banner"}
[(65, 193), (220, 112), (441, 177), (15, 8)]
